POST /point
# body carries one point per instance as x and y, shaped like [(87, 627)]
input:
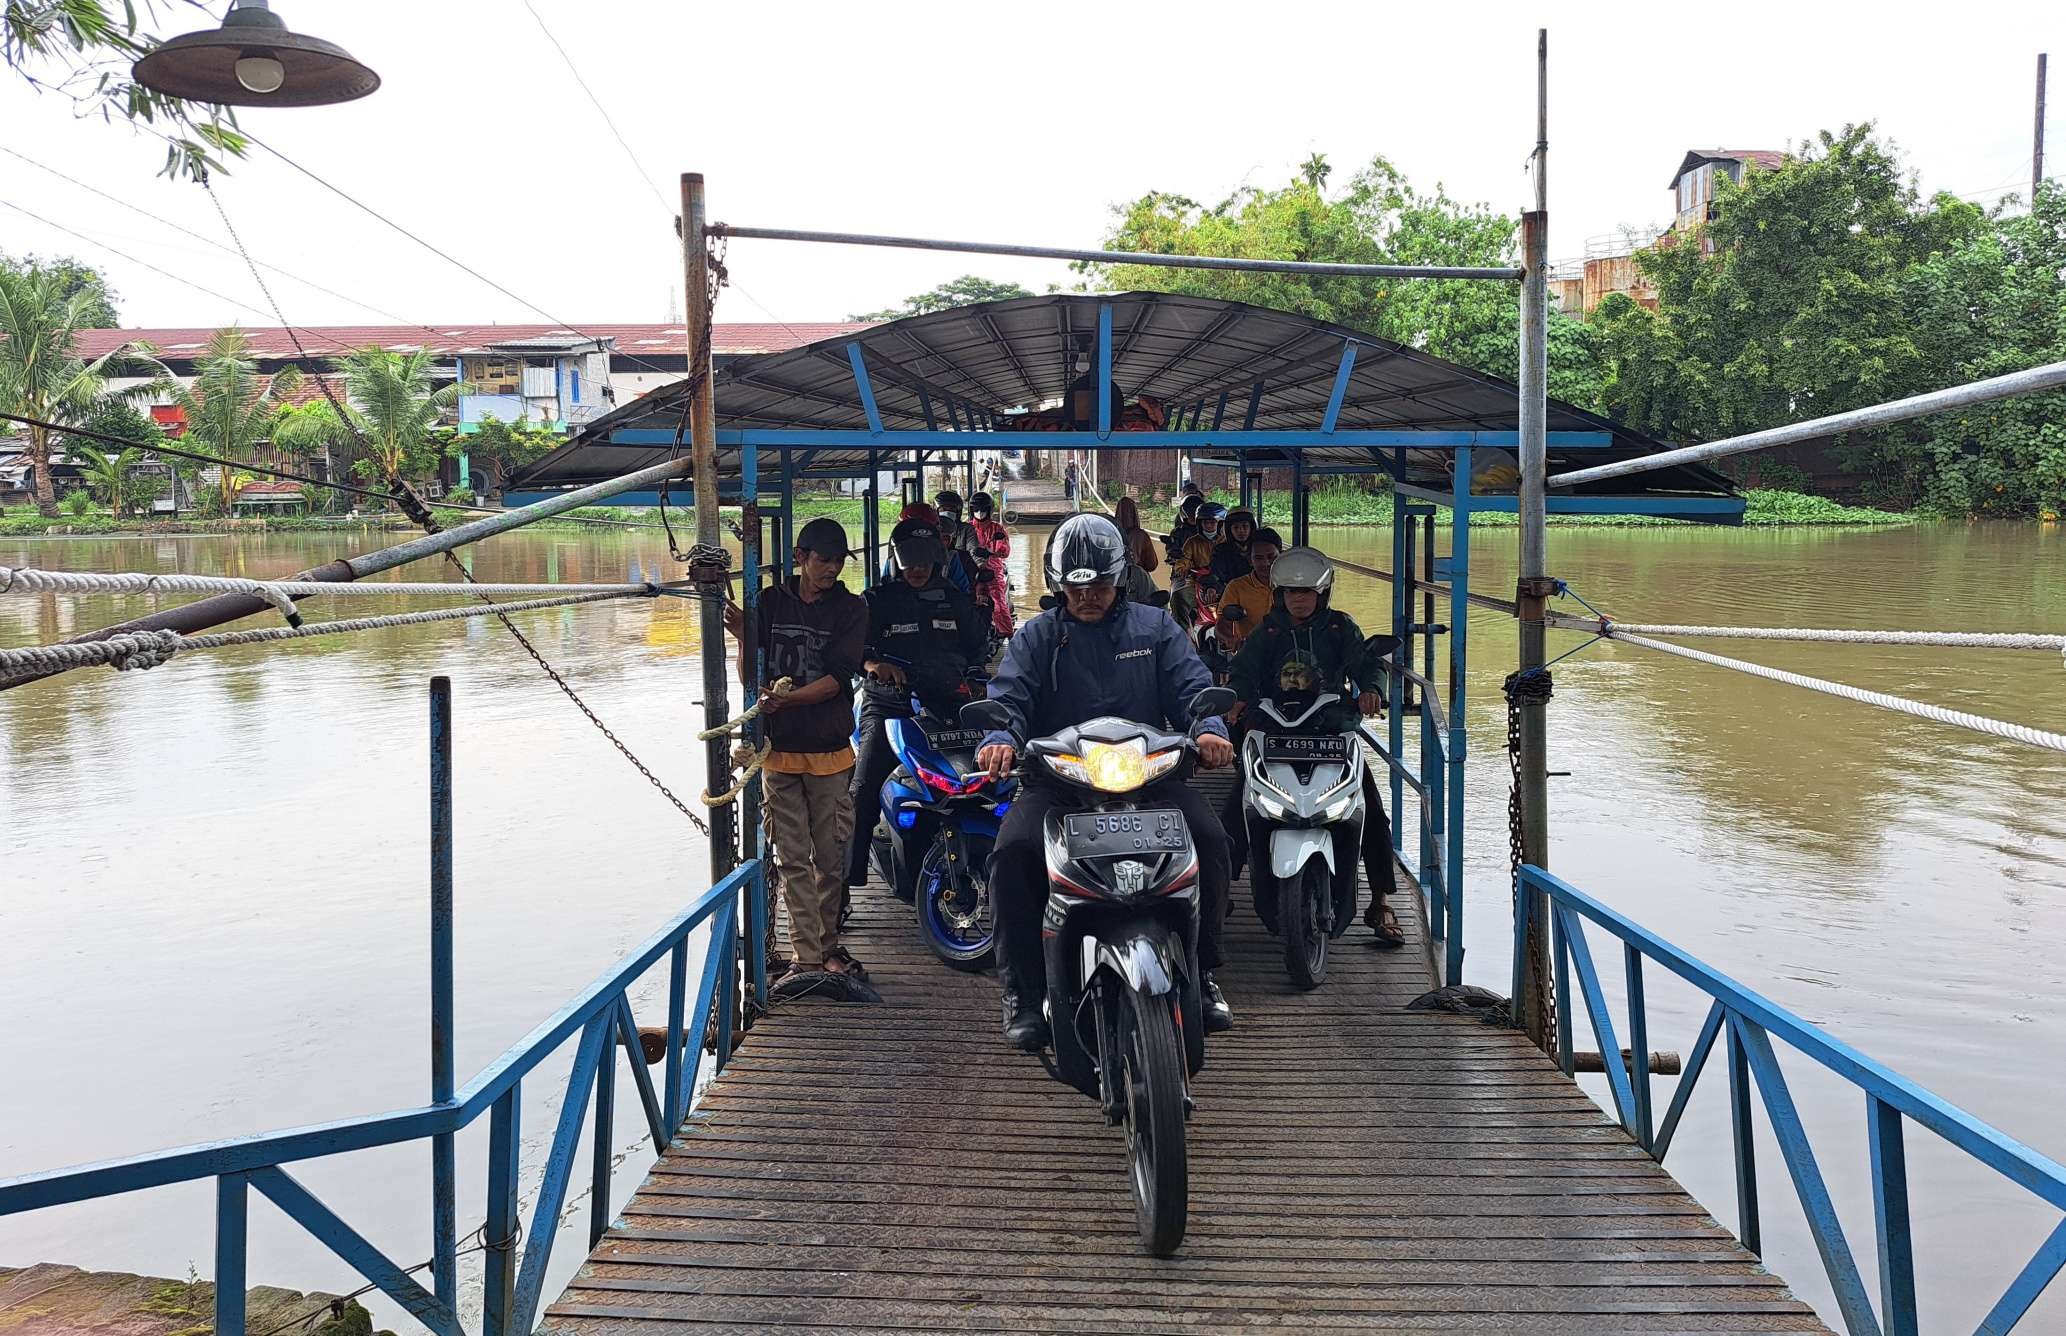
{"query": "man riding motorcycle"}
[(1095, 654), (1186, 525), (1304, 646), (1191, 573), (916, 618), (1230, 556)]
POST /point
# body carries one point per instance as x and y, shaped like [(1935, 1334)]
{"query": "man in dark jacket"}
[(1305, 647), (1096, 654), (923, 634), (1230, 557)]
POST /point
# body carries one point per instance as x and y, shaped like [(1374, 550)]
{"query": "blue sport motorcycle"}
[(940, 813)]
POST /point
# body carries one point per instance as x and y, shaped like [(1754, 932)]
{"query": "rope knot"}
[(141, 649), (1530, 687)]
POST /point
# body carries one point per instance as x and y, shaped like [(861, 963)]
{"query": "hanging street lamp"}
[(252, 60)]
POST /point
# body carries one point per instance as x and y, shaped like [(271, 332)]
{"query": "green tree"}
[(73, 275), (964, 291), (1379, 217), (40, 374), (114, 481), (231, 409), (391, 415), (81, 50), (495, 448)]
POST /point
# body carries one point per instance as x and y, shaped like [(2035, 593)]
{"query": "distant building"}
[(1693, 185), (548, 380)]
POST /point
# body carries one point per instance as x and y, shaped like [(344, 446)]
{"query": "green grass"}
[(1337, 504)]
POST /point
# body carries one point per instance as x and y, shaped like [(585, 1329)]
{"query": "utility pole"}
[(2037, 136), (1528, 689), (707, 564)]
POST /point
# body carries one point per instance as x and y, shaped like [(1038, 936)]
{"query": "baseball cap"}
[(917, 543), (824, 537)]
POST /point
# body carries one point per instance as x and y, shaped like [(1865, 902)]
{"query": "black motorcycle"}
[(1120, 932)]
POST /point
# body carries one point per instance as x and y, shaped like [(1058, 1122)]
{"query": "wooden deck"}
[(1354, 1168)]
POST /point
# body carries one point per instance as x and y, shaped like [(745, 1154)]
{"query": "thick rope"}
[(782, 687), (747, 761), (1950, 639), (277, 592), (148, 649), (1978, 723)]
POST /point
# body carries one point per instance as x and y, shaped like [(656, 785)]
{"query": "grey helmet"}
[(1085, 550), (1303, 568)]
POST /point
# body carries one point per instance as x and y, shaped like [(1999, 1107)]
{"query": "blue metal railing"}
[(599, 1018), (1746, 1023)]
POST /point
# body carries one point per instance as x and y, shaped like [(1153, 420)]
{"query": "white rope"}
[(1952, 639), (280, 593), (148, 649), (1978, 723)]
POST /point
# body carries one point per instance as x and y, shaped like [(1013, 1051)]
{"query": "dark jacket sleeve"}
[(1022, 677), (1245, 674), (974, 627), (848, 643), (1359, 668), (876, 621), (1182, 674)]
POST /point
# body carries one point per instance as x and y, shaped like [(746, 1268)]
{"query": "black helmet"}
[(1235, 517), (1211, 510), (917, 543), (980, 505), (949, 500), (1085, 550), (1190, 504)]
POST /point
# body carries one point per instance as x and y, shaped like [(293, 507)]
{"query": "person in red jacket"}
[(992, 545)]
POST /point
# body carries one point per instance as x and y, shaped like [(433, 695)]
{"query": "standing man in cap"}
[(813, 631), (923, 635)]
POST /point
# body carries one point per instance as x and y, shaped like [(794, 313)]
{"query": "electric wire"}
[(163, 273), (600, 110)]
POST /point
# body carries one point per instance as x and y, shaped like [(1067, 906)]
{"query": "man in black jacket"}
[(923, 635)]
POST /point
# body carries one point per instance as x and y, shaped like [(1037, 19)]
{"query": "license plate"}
[(1125, 834), (1319, 748), (955, 739)]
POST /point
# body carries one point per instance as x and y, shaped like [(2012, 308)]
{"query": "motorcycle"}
[(940, 815), (1120, 935), (1303, 803), (1205, 631)]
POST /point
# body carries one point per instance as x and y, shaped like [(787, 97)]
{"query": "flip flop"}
[(1385, 924)]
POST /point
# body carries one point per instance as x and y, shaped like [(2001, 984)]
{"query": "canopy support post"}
[(712, 580)]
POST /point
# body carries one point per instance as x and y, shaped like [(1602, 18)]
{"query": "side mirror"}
[(988, 715), (1378, 647), (1237, 613), (1048, 603), (1212, 701), (1159, 599)]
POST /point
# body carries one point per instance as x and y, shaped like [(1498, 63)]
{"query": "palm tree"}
[(230, 408), (40, 374), (107, 476), (390, 412)]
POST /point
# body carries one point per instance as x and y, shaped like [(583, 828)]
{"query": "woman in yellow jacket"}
[(1247, 600)]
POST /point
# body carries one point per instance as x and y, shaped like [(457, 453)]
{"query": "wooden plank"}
[(1355, 1167)]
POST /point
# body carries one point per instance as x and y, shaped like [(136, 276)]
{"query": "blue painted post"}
[(1104, 370), (605, 1134), (232, 1197), (869, 520), (1459, 662), (1255, 403), (1560, 954), (865, 387), (1300, 510), (1638, 1044), (753, 838), (444, 1155), (1431, 833), (677, 996), (727, 967), (925, 409), (1219, 412), (782, 548), (1402, 569), (499, 1232), (1341, 385), (1744, 1136), (1884, 1140)]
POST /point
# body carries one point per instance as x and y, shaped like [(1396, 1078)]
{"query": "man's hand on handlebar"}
[(1370, 702), (1214, 751), (997, 759)]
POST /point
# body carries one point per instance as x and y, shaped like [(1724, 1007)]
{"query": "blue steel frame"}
[(602, 1018), (1749, 1022)]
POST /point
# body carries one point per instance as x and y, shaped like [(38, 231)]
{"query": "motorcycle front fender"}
[(1291, 848), (1145, 960)]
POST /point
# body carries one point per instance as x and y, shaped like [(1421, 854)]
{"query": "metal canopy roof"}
[(1005, 357)]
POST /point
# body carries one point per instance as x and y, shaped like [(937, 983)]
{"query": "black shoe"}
[(1219, 1017), (1024, 1025)]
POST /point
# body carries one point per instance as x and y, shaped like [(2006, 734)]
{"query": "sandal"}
[(1385, 923), (854, 968)]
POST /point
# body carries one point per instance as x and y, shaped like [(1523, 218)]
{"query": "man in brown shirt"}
[(812, 631)]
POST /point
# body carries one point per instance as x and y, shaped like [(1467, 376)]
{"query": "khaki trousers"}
[(808, 820)]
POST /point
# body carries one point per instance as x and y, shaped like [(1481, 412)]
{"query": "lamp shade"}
[(253, 51)]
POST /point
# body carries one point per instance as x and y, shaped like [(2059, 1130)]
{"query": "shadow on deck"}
[(1354, 1168)]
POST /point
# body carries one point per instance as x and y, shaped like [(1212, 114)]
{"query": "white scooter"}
[(1303, 802)]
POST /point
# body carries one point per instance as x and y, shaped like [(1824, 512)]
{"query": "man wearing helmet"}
[(1094, 654), (1186, 524), (1230, 556), (1190, 579), (1305, 646)]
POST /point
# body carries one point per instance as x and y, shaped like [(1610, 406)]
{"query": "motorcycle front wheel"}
[(1299, 913), (1152, 1066), (953, 904)]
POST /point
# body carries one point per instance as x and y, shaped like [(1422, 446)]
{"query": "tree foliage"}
[(1378, 217), (81, 50), (73, 275), (964, 291), (231, 409), (114, 482), (1831, 283), (391, 415), (496, 448)]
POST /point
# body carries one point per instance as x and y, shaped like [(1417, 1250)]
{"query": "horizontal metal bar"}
[(1669, 507), (2035, 380), (860, 438), (1117, 257), (2000, 1152)]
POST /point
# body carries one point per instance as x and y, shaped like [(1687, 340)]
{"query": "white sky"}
[(1023, 122)]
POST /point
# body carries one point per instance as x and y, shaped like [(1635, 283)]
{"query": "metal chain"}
[(1516, 686)]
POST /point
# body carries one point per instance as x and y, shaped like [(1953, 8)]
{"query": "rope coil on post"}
[(782, 686)]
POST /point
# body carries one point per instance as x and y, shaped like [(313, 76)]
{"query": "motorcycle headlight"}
[(1115, 767)]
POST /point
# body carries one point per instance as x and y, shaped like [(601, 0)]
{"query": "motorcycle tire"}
[(1152, 1065), (934, 887), (1298, 919)]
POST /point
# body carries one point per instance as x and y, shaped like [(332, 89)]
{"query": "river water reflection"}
[(215, 893)]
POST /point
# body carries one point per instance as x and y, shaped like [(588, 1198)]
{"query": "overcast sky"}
[(1015, 122)]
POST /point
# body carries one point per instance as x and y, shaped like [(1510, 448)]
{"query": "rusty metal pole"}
[(1534, 586), (2037, 138), (707, 570)]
